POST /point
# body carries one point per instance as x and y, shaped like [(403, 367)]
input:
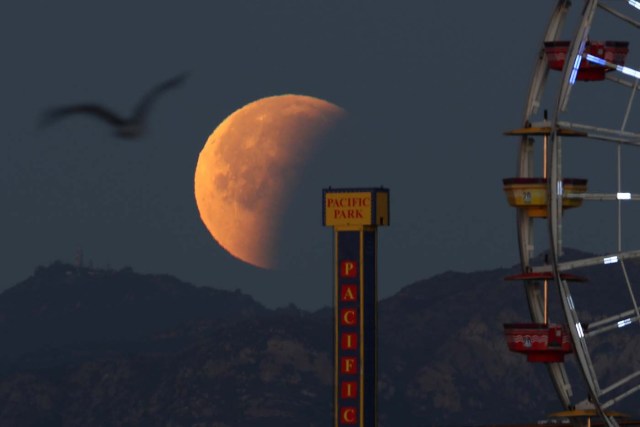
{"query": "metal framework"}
[(601, 398)]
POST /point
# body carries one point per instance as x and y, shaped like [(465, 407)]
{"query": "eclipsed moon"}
[(249, 166)]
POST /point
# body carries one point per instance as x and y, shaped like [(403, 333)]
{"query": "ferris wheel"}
[(579, 104)]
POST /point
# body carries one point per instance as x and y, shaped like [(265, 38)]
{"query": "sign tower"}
[(355, 215)]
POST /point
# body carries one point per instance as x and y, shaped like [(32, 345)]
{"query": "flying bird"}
[(131, 127)]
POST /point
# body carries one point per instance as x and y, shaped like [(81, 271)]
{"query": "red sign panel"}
[(348, 415), (348, 293), (349, 365), (348, 268)]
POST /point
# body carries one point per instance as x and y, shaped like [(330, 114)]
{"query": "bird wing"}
[(145, 103), (55, 114)]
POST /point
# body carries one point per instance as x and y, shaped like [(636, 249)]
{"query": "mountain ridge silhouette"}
[(114, 347)]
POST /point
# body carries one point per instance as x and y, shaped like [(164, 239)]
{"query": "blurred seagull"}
[(131, 127)]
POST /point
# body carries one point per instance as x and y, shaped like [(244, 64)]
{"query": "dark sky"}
[(431, 86)]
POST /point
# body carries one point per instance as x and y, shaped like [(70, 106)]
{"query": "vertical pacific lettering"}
[(349, 293), (349, 317), (348, 269), (349, 341), (349, 365), (349, 390), (348, 415)]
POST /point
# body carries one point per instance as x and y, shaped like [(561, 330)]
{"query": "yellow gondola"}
[(530, 194)]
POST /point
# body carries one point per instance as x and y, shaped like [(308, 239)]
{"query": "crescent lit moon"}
[(249, 165)]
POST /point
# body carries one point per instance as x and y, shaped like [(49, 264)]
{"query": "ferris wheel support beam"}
[(623, 82), (618, 384), (604, 196), (576, 50), (619, 15), (579, 343), (621, 320), (589, 262), (541, 70), (555, 197), (533, 290), (632, 142), (620, 397), (617, 135)]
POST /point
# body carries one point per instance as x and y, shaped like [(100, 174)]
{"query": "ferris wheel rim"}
[(557, 371)]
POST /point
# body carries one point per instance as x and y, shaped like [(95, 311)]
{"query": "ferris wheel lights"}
[(610, 260), (628, 71), (623, 323), (595, 59), (576, 63), (623, 196), (574, 71), (579, 329), (624, 70), (587, 66), (634, 3)]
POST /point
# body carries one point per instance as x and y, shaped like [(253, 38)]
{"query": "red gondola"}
[(611, 51), (541, 342)]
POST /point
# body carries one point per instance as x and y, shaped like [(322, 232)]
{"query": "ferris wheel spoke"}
[(589, 261), (603, 196), (630, 289), (611, 323), (620, 15), (621, 68), (626, 394), (624, 82), (620, 383), (626, 141), (601, 133)]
